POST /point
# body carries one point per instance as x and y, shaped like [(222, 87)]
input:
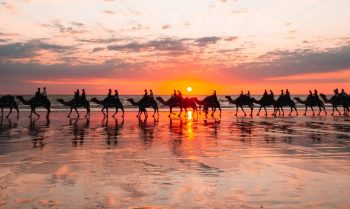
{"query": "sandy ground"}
[(227, 162)]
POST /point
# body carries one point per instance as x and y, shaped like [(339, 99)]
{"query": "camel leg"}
[(305, 110), (220, 111), (2, 112), (48, 112), (325, 111), (251, 111), (17, 112), (70, 112), (107, 111), (31, 113), (259, 110), (103, 111), (336, 108), (87, 112), (282, 111), (9, 113), (291, 110), (36, 113), (123, 112), (265, 111), (116, 111), (180, 112), (313, 112), (171, 111), (296, 110), (76, 110), (236, 110), (243, 111), (214, 110), (319, 112)]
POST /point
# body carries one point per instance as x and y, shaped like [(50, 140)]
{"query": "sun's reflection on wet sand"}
[(182, 162)]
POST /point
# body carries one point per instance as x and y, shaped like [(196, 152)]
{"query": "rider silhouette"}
[(83, 95), (44, 94), (37, 93), (151, 93), (116, 94), (271, 94), (287, 93)]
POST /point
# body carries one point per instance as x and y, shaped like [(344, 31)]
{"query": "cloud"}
[(285, 63), (30, 49), (166, 26), (109, 12), (73, 28), (207, 40)]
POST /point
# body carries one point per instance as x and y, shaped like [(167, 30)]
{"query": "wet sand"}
[(290, 162)]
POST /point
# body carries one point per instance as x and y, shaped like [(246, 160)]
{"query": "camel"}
[(144, 103), (283, 101), (74, 104), (209, 102), (36, 101), (264, 102), (8, 101), (335, 101), (109, 102), (241, 101), (311, 102), (183, 103)]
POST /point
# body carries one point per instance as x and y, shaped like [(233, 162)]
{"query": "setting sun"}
[(189, 89)]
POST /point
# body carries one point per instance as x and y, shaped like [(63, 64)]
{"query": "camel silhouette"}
[(209, 102), (240, 101), (284, 101), (312, 102), (265, 101), (8, 102), (182, 103), (36, 101), (109, 102), (336, 101), (76, 103), (144, 103)]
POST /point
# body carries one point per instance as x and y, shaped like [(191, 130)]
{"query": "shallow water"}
[(228, 162)]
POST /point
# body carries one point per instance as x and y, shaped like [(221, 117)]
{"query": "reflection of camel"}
[(147, 131), (36, 101), (37, 132), (74, 103), (209, 102), (145, 103), (112, 132), (79, 131), (109, 102), (284, 101), (241, 101), (312, 102), (8, 101), (335, 101), (183, 103)]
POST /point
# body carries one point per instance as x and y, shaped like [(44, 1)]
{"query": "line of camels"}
[(209, 102)]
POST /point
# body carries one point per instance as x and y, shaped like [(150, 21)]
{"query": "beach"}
[(227, 162)]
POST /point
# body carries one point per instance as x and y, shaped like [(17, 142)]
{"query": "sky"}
[(130, 45)]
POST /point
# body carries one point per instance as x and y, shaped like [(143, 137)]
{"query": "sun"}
[(189, 89)]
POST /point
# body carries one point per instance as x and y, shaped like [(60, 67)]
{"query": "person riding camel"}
[(310, 96), (83, 95), (317, 98), (151, 93), (109, 93), (179, 94), (241, 94), (76, 95), (44, 93), (37, 93), (265, 93), (287, 94), (343, 93), (271, 94), (248, 94), (116, 94)]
